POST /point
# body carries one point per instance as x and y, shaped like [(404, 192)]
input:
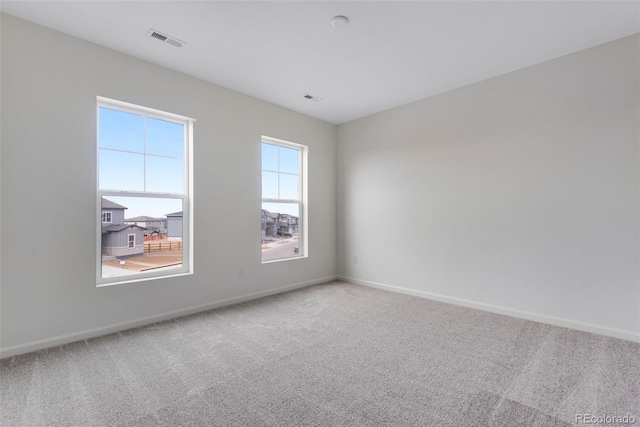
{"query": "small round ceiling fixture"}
[(339, 21)]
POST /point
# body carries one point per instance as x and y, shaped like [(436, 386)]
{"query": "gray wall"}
[(521, 191), (49, 86)]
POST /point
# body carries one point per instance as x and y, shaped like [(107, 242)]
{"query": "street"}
[(279, 250)]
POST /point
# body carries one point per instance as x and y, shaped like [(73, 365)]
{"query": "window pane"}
[(269, 185), (288, 160), (121, 171), (121, 131), (156, 244), (280, 227), (269, 157), (288, 186), (164, 138), (164, 175)]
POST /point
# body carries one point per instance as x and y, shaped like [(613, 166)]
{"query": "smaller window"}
[(284, 177), (132, 240), (106, 216)]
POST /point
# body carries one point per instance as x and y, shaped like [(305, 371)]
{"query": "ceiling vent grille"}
[(159, 36), (165, 38), (312, 97)]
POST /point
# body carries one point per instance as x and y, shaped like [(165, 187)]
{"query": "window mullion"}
[(278, 172), (144, 152), (151, 194)]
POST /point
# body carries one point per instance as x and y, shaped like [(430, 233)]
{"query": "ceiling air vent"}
[(312, 97), (165, 38), (158, 36)]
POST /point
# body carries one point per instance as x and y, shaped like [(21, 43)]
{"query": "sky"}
[(139, 153), (280, 178)]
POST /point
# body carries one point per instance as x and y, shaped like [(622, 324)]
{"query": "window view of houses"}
[(280, 232), (139, 244), (143, 184), (281, 199)]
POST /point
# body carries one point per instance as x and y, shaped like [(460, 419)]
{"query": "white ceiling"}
[(390, 54)]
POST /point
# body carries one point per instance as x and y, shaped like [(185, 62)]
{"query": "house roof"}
[(143, 218), (175, 214), (114, 228), (108, 204), (275, 215)]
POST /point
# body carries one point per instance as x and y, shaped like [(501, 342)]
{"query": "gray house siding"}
[(270, 224), (117, 243), (117, 215), (115, 233), (264, 224), (174, 226)]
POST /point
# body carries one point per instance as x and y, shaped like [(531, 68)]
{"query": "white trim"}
[(117, 150), (28, 347), (290, 201), (282, 142), (110, 217), (136, 109), (148, 194), (129, 241), (288, 258), (541, 318), (143, 277)]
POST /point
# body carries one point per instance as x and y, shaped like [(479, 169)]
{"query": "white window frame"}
[(110, 217), (186, 196), (302, 200), (129, 242)]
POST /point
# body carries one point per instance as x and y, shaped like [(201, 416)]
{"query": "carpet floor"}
[(334, 354)]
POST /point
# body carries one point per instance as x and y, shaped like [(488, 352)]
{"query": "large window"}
[(283, 200), (144, 171)]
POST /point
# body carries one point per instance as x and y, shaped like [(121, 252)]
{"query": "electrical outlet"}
[(355, 259), (241, 272)]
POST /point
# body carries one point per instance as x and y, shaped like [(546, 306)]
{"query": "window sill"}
[(271, 261), (132, 279)]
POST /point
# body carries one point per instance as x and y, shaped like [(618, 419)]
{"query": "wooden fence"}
[(162, 246)]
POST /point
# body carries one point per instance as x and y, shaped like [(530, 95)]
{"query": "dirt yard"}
[(148, 261)]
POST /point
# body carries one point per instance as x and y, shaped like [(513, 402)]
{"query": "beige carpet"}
[(329, 355)]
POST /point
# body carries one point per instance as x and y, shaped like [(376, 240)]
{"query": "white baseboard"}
[(556, 321), (96, 332)]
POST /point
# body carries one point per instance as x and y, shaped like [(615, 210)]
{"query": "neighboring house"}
[(263, 222), (119, 239), (174, 226), (288, 224), (275, 224), (112, 213), (150, 223), (269, 224)]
